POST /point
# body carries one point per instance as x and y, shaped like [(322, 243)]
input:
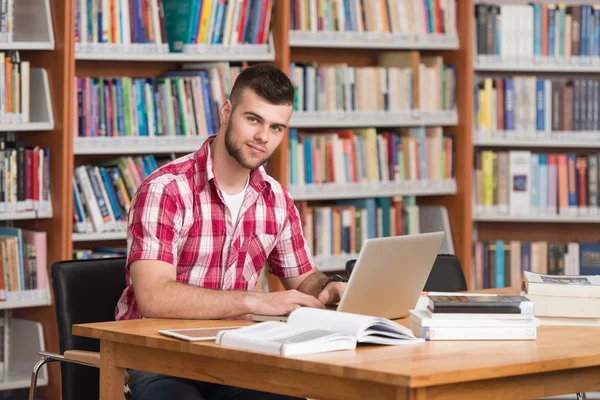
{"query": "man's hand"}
[(282, 302), (332, 293)]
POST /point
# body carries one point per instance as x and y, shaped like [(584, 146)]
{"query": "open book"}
[(312, 330)]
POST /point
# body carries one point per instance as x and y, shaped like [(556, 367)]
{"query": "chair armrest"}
[(76, 360), (83, 357)]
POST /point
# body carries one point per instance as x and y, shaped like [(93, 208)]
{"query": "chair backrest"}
[(84, 291), (446, 274)]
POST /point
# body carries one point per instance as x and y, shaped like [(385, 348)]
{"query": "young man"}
[(202, 227)]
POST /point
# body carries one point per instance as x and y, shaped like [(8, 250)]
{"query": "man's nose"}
[(262, 134)]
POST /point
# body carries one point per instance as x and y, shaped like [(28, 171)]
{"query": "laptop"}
[(388, 277)]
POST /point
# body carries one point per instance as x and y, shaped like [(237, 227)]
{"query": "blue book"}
[(193, 34), (111, 195), (509, 104), (293, 156), (540, 115), (589, 258), (543, 195), (499, 264), (551, 31), (525, 257), (218, 23), (537, 30), (308, 161)]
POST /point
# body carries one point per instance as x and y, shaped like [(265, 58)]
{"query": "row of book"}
[(393, 16), (499, 263), (120, 22), (530, 103), (224, 22), (565, 300), (177, 103), (363, 155), (473, 316), (400, 82), (23, 257), (525, 183), (7, 14), (24, 176), (171, 25), (103, 193), (522, 32), (343, 226), (15, 79)]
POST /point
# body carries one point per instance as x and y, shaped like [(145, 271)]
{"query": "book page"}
[(314, 318)]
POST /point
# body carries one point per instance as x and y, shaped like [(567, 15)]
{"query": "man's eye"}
[(252, 119), (277, 128)]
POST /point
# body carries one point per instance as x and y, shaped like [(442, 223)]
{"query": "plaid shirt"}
[(178, 216)]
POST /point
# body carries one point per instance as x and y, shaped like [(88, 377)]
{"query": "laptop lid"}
[(389, 275)]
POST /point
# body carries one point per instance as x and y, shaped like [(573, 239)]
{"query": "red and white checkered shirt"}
[(178, 216)]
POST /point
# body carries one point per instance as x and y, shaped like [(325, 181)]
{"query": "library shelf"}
[(372, 40), (332, 191), (99, 236), (589, 140), (487, 63), (41, 117), (26, 299), (32, 26), (589, 219), (364, 119), (137, 144)]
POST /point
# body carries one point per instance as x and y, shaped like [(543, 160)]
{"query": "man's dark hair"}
[(267, 81)]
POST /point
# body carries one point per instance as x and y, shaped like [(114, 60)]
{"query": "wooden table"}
[(562, 360)]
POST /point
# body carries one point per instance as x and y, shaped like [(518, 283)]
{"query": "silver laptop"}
[(388, 277)]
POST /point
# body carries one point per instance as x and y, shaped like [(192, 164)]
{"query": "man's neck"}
[(232, 177)]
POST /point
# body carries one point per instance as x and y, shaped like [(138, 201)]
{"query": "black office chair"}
[(446, 275), (84, 291)]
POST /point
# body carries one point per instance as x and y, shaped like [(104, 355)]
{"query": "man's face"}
[(254, 129)]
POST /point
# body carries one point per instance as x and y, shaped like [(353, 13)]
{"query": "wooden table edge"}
[(425, 380)]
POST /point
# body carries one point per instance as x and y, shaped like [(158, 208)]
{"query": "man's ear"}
[(226, 111)]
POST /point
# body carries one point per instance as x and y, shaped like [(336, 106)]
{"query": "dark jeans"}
[(151, 386)]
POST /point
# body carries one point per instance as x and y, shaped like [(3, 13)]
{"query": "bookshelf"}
[(33, 29), (29, 318), (563, 66), (66, 58)]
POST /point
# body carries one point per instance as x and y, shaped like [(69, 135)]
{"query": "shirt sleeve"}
[(152, 229), (291, 256)]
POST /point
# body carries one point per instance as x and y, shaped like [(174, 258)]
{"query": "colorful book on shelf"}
[(342, 227), (217, 22), (522, 184), (363, 155), (15, 87), (387, 16), (538, 258), (532, 105), (102, 193), (405, 82), (136, 24), (522, 32)]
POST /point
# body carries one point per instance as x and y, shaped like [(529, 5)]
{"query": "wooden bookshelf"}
[(63, 64)]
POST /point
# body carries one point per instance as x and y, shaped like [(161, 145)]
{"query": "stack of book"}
[(564, 300), (460, 316)]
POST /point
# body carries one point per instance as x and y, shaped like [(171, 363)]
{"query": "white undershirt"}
[(234, 202)]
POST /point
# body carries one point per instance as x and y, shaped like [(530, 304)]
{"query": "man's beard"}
[(237, 153)]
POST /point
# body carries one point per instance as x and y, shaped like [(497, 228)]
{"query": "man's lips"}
[(257, 148)]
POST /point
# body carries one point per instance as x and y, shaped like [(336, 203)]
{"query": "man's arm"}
[(312, 282), (159, 295), (309, 283)]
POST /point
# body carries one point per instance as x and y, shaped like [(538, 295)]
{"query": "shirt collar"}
[(205, 173)]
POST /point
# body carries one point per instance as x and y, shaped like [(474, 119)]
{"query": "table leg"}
[(112, 378)]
